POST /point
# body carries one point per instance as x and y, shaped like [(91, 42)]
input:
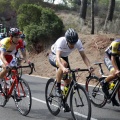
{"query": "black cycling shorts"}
[(52, 60)]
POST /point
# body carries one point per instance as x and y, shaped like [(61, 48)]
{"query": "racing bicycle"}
[(18, 89), (80, 104), (93, 86)]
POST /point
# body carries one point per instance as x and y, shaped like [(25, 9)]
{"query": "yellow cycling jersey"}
[(5, 44), (114, 48)]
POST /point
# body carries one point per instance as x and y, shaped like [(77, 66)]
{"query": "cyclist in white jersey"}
[(60, 51)]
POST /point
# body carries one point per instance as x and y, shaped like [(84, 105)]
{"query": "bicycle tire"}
[(51, 100), (3, 100), (23, 98), (96, 94), (119, 94), (80, 103)]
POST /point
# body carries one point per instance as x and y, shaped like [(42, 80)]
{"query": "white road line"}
[(38, 100), (45, 102), (75, 112)]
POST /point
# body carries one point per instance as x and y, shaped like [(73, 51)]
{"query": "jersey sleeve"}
[(3, 46), (59, 44), (20, 45), (80, 46)]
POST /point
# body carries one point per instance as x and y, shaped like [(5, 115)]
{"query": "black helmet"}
[(14, 32), (71, 36), (22, 36)]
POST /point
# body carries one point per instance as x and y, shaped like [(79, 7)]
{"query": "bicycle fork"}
[(77, 92)]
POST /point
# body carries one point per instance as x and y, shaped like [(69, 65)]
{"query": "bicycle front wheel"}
[(80, 103), (22, 97), (3, 99), (52, 100), (96, 94)]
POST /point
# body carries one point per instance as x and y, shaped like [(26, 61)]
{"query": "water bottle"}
[(62, 85), (111, 85)]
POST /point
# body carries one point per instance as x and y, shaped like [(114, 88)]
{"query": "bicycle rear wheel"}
[(96, 94), (51, 99), (3, 100), (22, 97), (80, 103)]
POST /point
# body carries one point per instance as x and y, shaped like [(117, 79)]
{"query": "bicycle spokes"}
[(51, 99), (80, 102), (22, 97)]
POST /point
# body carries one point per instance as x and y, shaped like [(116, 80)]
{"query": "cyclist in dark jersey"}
[(112, 61)]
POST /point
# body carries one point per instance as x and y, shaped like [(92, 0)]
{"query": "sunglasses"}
[(17, 36), (71, 43)]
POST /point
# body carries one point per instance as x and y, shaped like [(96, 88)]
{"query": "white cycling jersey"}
[(61, 45)]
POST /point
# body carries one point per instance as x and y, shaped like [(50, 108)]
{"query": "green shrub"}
[(40, 25)]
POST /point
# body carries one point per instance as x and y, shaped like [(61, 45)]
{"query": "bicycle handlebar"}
[(78, 70), (81, 70), (31, 65)]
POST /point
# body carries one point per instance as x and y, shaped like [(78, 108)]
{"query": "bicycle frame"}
[(15, 79), (115, 89), (117, 84), (15, 82), (73, 81)]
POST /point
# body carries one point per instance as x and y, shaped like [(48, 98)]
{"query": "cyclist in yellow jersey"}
[(7, 49), (113, 64)]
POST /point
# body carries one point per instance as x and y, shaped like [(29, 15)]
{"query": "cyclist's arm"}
[(23, 51), (113, 60), (85, 59), (114, 52), (2, 56)]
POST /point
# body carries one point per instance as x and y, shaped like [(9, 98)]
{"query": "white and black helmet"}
[(14, 32), (71, 36)]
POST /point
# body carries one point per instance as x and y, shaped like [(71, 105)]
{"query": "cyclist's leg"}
[(111, 77), (106, 81), (4, 71), (52, 60), (66, 82), (59, 72), (65, 78), (109, 66), (114, 101)]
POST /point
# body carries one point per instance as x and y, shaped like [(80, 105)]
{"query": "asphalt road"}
[(39, 109)]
